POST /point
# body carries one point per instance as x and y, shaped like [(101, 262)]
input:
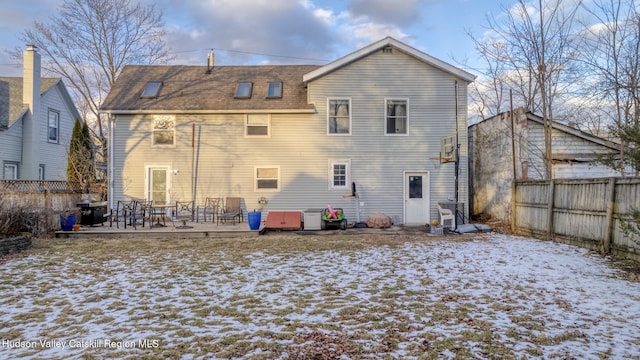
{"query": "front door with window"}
[(416, 198)]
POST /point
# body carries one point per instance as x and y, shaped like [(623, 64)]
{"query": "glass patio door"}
[(158, 184)]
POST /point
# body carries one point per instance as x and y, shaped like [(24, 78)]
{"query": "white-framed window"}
[(339, 116), (163, 130), (267, 178), (396, 119), (53, 129), (41, 169), (10, 170), (274, 90), (339, 173), (257, 125)]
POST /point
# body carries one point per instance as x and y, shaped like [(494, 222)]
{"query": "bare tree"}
[(88, 42), (534, 56), (610, 61)]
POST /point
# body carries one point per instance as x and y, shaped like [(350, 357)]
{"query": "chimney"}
[(31, 128), (210, 62)]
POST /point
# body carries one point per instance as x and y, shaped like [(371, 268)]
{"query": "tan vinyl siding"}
[(378, 160)]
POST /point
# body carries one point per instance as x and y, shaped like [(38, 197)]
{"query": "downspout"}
[(111, 123), (197, 160), (457, 155)]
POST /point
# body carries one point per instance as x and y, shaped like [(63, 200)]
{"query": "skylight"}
[(243, 90), (274, 89), (151, 90)]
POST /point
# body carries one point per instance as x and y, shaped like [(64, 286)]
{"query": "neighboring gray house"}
[(36, 121), (298, 136), (491, 163)]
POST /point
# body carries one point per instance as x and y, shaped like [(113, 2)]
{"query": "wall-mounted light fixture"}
[(175, 171)]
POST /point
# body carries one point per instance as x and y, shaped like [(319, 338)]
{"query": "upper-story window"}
[(397, 117), (164, 130), (339, 116), (257, 125), (151, 90), (243, 90), (53, 129), (274, 90)]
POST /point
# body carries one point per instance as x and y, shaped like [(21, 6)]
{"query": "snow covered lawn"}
[(330, 296)]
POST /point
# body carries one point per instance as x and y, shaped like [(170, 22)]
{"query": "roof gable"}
[(381, 44), (11, 106), (530, 116), (197, 90)]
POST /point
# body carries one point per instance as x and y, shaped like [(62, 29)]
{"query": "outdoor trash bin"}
[(254, 219), (67, 221)]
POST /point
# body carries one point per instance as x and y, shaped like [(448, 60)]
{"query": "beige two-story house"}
[(298, 137)]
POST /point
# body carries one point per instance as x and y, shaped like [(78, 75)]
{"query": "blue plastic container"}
[(67, 222), (254, 219)]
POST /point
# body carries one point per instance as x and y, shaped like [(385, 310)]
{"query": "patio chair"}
[(121, 213), (212, 207), (446, 214), (184, 213), (232, 210), (140, 213)]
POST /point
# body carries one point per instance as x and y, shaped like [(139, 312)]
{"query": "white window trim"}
[(246, 127), (153, 130), (57, 140), (384, 116), (347, 183), (15, 166), (350, 116), (255, 178)]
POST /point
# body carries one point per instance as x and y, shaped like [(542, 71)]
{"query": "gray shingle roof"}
[(11, 105), (191, 88)]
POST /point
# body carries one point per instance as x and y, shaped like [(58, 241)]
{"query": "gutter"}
[(209, 112)]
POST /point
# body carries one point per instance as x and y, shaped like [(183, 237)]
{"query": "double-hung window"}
[(267, 178), (397, 117), (257, 125), (339, 116), (164, 132), (53, 129), (10, 170), (339, 173)]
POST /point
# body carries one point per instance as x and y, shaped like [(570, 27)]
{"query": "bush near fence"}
[(583, 212), (35, 206)]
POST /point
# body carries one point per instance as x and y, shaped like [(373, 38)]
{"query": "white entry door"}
[(416, 198), (158, 184)]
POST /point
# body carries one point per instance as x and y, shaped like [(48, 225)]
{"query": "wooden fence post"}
[(513, 206), (611, 193), (550, 210)]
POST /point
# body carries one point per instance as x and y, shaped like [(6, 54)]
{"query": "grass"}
[(276, 296)]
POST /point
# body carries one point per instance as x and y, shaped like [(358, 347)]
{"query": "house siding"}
[(11, 140), (432, 115), (54, 156), (300, 147)]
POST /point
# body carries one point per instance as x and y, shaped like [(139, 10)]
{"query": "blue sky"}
[(243, 32)]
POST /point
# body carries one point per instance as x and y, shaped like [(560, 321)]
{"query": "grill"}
[(92, 213)]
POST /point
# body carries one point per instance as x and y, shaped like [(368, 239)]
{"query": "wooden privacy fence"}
[(46, 200), (583, 212)]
